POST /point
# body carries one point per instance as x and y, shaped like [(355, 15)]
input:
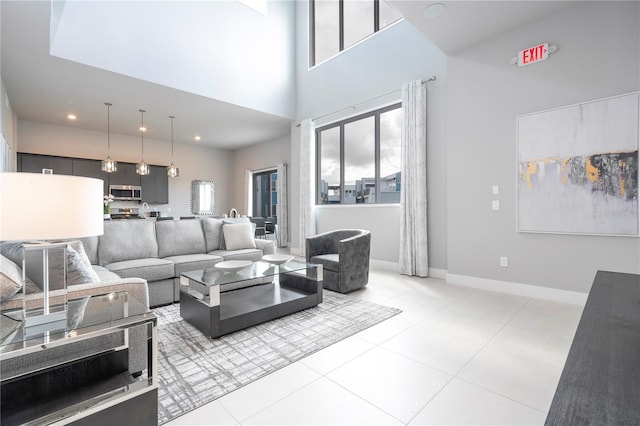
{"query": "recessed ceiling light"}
[(434, 10), (197, 137), (143, 129), (71, 116)]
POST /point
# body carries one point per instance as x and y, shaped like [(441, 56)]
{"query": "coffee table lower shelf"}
[(245, 307)]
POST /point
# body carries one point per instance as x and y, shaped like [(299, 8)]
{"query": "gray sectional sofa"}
[(159, 252)]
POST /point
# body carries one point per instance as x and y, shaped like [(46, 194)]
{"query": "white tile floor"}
[(454, 356)]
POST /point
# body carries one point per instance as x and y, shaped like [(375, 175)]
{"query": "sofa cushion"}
[(180, 237), (193, 262), (150, 269), (212, 228), (330, 262), (243, 254), (104, 274), (127, 240), (90, 245), (238, 236)]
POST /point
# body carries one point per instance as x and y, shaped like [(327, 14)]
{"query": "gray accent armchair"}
[(344, 256)]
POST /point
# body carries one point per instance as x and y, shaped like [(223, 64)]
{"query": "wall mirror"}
[(203, 200)]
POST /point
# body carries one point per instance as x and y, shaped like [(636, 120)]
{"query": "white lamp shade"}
[(49, 207)]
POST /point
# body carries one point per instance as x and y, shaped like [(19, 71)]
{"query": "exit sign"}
[(534, 54)]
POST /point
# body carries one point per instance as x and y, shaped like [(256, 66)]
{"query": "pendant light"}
[(142, 168), (109, 165), (172, 170)]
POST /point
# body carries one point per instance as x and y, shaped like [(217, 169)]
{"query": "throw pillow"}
[(79, 270), (10, 278), (238, 236)]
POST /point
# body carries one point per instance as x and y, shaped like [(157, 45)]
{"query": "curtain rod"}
[(353, 107)]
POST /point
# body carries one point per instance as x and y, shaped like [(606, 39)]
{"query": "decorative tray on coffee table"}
[(277, 259), (233, 265)]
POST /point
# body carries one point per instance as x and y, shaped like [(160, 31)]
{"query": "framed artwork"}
[(578, 168)]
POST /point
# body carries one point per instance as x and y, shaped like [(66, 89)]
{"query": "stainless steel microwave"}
[(126, 192)]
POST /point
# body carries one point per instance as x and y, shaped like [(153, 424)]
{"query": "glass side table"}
[(101, 368)]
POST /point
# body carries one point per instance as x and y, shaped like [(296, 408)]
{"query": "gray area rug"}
[(194, 370)]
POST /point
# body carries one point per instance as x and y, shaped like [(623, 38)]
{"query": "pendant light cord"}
[(171, 117), (142, 131), (108, 129)]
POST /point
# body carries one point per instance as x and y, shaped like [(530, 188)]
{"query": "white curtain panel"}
[(414, 258), (307, 187), (248, 192), (282, 207)]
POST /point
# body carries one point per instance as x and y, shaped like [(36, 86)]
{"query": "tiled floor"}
[(454, 356)]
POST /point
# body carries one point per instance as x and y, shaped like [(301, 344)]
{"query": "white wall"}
[(375, 67), (257, 157), (384, 219), (598, 56), (195, 162), (219, 49), (8, 123)]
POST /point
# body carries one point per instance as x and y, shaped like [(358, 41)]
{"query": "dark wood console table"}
[(600, 383)]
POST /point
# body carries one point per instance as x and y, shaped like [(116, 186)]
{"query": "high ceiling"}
[(465, 23), (45, 88)]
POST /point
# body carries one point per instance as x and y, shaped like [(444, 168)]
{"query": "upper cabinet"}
[(126, 175), (34, 163), (91, 168), (155, 185)]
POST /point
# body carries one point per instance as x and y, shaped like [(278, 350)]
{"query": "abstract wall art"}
[(578, 168)]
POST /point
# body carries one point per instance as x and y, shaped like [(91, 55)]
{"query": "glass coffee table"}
[(218, 302)]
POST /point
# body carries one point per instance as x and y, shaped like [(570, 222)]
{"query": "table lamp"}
[(41, 210)]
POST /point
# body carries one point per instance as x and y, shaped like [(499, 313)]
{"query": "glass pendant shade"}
[(172, 170), (109, 165), (142, 168)]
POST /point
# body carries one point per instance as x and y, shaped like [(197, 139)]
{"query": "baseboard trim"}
[(294, 251), (384, 265), (438, 273), (518, 289)]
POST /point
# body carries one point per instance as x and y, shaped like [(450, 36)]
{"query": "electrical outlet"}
[(504, 261), (495, 205)]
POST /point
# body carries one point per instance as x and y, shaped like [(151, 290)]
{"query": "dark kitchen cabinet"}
[(34, 163), (93, 169), (126, 175), (155, 185)]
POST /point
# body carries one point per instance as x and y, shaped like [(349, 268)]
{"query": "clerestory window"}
[(336, 25), (359, 159)]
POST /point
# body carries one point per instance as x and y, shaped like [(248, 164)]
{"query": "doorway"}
[(265, 194)]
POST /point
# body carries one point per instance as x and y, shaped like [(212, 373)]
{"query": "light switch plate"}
[(495, 205), (495, 190)]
